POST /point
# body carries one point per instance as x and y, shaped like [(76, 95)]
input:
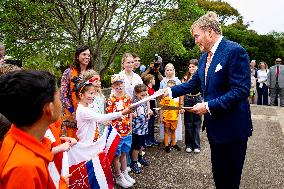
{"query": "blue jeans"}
[(150, 136), (192, 123)]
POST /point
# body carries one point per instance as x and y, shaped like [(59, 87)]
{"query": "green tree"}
[(170, 37), (48, 26)]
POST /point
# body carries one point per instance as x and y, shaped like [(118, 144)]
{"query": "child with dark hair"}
[(140, 128), (31, 101), (5, 124), (192, 121), (149, 81)]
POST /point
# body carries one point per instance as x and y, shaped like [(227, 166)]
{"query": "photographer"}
[(17, 63), (155, 69)]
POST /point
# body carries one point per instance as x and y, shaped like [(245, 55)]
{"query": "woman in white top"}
[(170, 75), (262, 89), (130, 78)]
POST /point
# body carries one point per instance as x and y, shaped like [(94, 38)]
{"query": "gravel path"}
[(264, 165)]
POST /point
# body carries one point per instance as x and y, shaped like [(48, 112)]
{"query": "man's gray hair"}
[(209, 20)]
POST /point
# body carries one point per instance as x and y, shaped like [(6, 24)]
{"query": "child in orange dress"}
[(170, 120)]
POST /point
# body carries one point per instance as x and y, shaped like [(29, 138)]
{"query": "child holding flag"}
[(88, 154), (117, 102)]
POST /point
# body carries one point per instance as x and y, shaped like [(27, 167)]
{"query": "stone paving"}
[(263, 169)]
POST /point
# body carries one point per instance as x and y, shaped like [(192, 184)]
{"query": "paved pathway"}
[(264, 165)]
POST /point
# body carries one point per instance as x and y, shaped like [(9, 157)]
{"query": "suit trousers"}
[(227, 163), (192, 124), (274, 92)]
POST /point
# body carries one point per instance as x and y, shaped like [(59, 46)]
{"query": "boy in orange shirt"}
[(31, 101)]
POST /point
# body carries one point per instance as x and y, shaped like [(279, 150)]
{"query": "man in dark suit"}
[(223, 77)]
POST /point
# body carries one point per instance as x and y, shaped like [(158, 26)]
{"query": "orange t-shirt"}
[(24, 162)]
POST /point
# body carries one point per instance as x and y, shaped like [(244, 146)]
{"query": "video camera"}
[(157, 61)]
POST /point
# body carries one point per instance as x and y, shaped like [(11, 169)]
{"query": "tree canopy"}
[(45, 33)]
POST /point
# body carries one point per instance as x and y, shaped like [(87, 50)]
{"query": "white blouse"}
[(87, 122), (129, 84), (262, 76)]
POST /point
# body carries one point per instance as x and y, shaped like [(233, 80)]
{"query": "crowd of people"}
[(86, 112), (267, 83), (35, 113)]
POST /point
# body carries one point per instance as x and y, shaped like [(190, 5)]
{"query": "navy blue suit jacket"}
[(226, 91)]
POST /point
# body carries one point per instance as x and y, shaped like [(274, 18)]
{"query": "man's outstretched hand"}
[(199, 108)]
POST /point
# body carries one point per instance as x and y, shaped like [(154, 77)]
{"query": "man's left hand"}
[(200, 109)]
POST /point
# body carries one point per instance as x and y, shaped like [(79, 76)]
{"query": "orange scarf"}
[(74, 73)]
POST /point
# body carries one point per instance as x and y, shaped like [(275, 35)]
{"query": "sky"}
[(266, 15)]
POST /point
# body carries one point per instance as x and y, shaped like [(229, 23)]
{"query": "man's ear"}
[(210, 32), (49, 111)]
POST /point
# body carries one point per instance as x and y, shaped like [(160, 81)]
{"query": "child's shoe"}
[(128, 169), (177, 147), (148, 144), (121, 181), (155, 143), (128, 178), (188, 149), (168, 149), (135, 169), (196, 150), (143, 162)]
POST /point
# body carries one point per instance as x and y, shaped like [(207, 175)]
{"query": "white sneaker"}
[(196, 150), (121, 181), (188, 150), (128, 178), (128, 169), (139, 164)]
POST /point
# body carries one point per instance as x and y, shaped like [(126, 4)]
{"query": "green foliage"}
[(259, 47), (223, 9), (170, 37), (54, 27), (45, 33), (42, 62)]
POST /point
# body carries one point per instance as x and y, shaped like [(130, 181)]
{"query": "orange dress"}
[(170, 117)]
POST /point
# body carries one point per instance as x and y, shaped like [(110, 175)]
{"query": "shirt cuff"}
[(207, 107)]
